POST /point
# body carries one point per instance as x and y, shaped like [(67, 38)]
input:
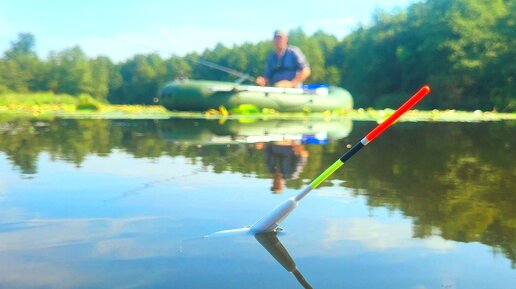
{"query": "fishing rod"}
[(242, 76), (271, 221)]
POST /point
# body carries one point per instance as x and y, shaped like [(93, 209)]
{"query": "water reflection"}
[(274, 246), (205, 131), (453, 180), (285, 160)]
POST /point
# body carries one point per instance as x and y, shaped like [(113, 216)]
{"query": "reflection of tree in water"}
[(452, 178), (457, 182), (17, 141), (72, 140), (69, 140)]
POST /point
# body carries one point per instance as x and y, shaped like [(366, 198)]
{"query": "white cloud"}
[(185, 39), (163, 40), (117, 47), (337, 193), (339, 27)]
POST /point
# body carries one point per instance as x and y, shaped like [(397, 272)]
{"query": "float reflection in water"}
[(274, 246), (271, 243)]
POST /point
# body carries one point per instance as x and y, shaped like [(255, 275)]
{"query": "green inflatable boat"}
[(202, 95)]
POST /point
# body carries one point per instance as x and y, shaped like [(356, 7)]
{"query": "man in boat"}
[(285, 67)]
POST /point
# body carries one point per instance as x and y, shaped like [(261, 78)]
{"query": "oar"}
[(271, 221)]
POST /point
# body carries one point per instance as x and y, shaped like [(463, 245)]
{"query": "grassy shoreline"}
[(49, 105), (159, 112)]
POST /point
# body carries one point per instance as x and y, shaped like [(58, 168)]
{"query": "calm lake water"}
[(122, 204)]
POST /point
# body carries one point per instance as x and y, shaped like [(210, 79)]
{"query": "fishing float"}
[(271, 221)]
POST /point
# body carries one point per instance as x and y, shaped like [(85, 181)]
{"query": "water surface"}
[(121, 204)]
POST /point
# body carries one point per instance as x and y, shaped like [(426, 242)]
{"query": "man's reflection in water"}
[(285, 160)]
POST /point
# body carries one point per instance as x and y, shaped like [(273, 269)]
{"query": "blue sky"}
[(121, 29)]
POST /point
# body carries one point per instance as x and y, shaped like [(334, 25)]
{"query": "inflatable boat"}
[(202, 95)]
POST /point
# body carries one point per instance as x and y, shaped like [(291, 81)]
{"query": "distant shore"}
[(49, 105), (71, 111)]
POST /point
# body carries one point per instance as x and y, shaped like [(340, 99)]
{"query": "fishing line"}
[(149, 185)]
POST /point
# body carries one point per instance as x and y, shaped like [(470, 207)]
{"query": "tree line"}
[(465, 49)]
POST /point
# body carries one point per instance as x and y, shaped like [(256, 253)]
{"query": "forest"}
[(464, 49)]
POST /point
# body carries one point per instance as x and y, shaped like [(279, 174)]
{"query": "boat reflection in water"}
[(282, 141), (274, 246), (227, 131)]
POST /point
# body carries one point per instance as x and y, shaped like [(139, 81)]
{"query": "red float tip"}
[(422, 92)]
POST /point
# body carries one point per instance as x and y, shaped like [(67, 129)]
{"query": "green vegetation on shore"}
[(49, 105), (41, 98), (465, 49)]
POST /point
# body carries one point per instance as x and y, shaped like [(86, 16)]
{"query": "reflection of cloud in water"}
[(381, 236), (163, 170), (43, 234), (337, 193), (18, 274), (54, 253), (120, 163)]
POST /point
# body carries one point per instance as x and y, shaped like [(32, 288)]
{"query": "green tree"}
[(218, 55), (21, 65), (70, 72), (327, 43), (368, 62), (460, 47), (176, 68), (501, 70), (140, 79), (101, 68)]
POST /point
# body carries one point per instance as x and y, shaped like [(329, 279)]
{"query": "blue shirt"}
[(286, 67)]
